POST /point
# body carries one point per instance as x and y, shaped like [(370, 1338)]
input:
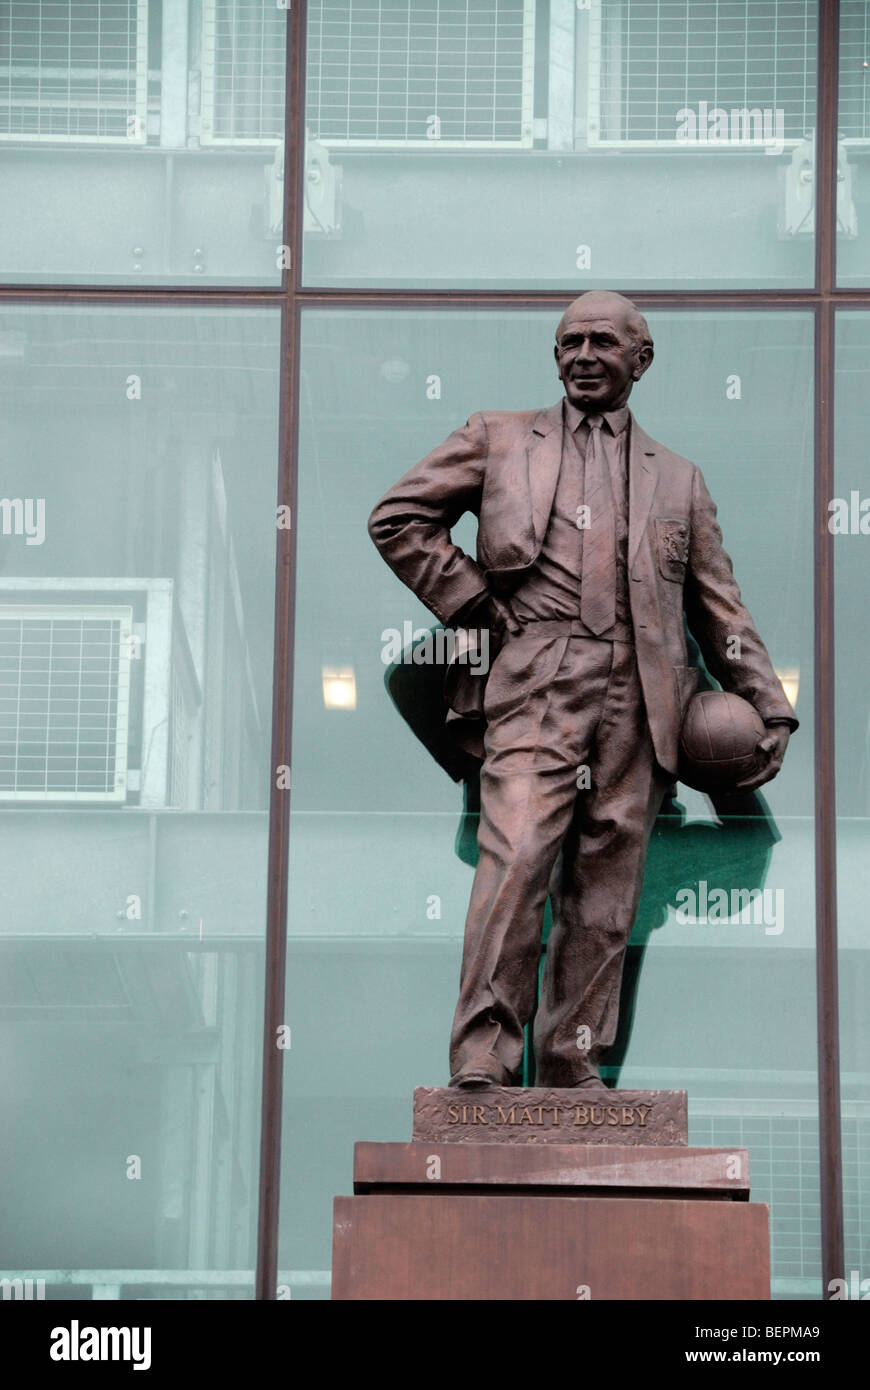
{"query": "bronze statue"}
[(595, 547)]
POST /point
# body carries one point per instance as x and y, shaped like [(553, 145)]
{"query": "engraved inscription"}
[(550, 1116), (554, 1115)]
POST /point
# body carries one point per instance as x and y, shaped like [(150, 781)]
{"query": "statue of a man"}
[(595, 547)]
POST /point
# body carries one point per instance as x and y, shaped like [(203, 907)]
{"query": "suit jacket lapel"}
[(518, 509), (544, 459), (642, 479)]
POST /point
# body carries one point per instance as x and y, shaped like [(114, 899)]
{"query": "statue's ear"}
[(642, 359)]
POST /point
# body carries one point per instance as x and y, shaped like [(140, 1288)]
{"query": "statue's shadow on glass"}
[(732, 855)]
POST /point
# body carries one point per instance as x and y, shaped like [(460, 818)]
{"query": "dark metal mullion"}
[(230, 296), (557, 299), (282, 680), (383, 297), (827, 992), (189, 295)]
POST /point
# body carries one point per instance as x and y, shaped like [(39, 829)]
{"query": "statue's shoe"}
[(589, 1083), (475, 1075)]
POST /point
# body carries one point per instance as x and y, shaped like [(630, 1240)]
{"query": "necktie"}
[(598, 569)]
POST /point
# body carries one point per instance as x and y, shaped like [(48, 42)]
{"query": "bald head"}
[(603, 346), (608, 304)]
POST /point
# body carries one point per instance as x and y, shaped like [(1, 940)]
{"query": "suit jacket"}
[(503, 466)]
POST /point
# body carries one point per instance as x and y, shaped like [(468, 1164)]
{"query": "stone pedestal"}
[(540, 1194)]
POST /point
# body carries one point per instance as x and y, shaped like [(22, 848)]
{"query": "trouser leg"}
[(596, 887), (540, 723)]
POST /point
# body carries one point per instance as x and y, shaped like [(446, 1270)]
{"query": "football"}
[(718, 741)]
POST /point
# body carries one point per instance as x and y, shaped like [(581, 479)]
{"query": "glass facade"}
[(257, 254), (136, 603), (144, 138), (853, 131), (479, 143), (383, 841)]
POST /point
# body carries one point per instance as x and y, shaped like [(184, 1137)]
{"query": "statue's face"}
[(597, 358)]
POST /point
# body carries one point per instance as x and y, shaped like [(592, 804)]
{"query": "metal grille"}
[(784, 1171), (74, 70), (243, 44), (64, 703), (651, 59), (434, 73), (856, 1164), (854, 112)]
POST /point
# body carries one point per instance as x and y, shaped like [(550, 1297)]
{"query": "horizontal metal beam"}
[(319, 297)]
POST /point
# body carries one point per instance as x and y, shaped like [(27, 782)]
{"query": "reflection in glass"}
[(853, 132), (383, 836), (499, 143), (135, 697), (142, 140)]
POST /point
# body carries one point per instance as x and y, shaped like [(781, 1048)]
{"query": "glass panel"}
[(136, 596), (143, 141), (853, 125), (849, 521), (383, 842), (504, 143)]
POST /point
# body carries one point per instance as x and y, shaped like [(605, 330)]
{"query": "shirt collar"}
[(616, 420)]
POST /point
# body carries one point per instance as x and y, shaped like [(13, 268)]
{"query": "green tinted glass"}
[(383, 841), (138, 534)]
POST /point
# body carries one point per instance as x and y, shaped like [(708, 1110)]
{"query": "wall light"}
[(339, 687), (790, 676)]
